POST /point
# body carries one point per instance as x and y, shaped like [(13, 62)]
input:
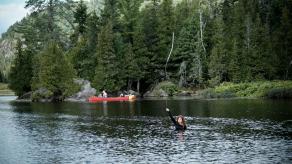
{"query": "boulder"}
[(42, 95), (134, 93), (184, 93), (85, 92), (148, 94), (26, 96), (156, 93), (162, 89)]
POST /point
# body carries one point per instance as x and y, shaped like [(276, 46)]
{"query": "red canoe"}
[(94, 99)]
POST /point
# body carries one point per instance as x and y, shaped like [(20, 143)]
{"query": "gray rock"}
[(156, 93), (26, 96), (85, 92), (134, 93), (42, 95), (148, 94), (162, 93), (185, 93)]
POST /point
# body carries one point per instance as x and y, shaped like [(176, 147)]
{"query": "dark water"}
[(221, 131)]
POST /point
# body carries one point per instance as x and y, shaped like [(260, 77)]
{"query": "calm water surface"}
[(219, 131)]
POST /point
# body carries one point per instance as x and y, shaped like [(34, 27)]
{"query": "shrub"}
[(279, 93), (207, 93), (41, 94), (270, 89), (169, 87)]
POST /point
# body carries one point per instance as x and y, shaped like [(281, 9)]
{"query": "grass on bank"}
[(260, 89), (4, 90)]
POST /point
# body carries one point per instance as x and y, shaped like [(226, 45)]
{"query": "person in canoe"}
[(104, 94), (179, 122)]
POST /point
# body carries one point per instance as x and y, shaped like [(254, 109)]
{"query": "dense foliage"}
[(21, 71), (55, 73), (265, 89), (125, 45)]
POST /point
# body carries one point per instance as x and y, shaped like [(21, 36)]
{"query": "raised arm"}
[(171, 117)]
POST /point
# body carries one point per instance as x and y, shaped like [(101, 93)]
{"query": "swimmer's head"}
[(181, 120)]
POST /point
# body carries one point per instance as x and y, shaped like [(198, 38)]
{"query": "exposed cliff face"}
[(7, 53)]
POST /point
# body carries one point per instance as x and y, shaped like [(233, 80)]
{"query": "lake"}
[(219, 131)]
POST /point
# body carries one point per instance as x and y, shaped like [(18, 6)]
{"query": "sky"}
[(10, 12)]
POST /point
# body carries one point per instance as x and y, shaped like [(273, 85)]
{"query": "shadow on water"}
[(227, 131)]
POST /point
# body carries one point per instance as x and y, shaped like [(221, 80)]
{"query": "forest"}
[(124, 44)]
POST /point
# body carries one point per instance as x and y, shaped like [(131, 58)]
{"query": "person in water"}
[(179, 123)]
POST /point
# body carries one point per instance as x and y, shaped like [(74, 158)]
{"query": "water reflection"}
[(245, 131)]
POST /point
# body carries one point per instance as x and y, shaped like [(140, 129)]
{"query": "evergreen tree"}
[(80, 18), (129, 11), (261, 63), (165, 30), (236, 46), (21, 72), (284, 41), (55, 73), (82, 55), (141, 55), (110, 14), (218, 60), (150, 30), (127, 43), (188, 53), (129, 59), (182, 12), (106, 72), (1, 77), (131, 67), (93, 28), (79, 58), (50, 5)]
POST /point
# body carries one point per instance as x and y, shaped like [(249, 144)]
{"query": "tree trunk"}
[(129, 85), (138, 86), (201, 30), (166, 77)]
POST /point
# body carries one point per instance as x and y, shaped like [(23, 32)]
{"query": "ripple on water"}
[(63, 138)]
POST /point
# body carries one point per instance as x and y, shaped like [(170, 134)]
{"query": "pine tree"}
[(124, 43), (80, 18), (188, 52), (21, 72), (165, 30), (55, 73), (283, 42), (1, 77), (235, 46), (141, 55), (93, 23), (129, 11), (110, 14), (50, 6), (218, 60), (78, 56), (93, 28), (81, 54), (150, 30), (106, 72), (131, 67), (183, 11), (261, 63)]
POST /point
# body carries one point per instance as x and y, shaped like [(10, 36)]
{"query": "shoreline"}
[(272, 90), (182, 98)]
